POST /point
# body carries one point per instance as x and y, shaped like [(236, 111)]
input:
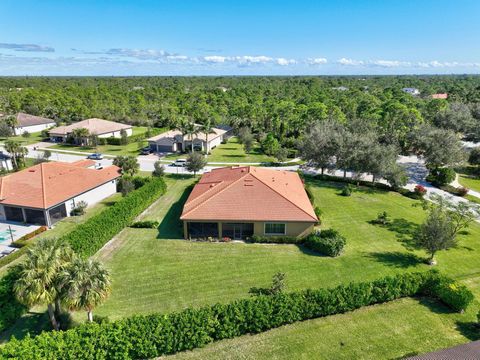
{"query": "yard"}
[(31, 139), (153, 270), (129, 149), (232, 152)]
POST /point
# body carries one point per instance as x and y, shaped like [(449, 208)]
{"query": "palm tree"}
[(38, 283), (207, 128), (86, 284), (12, 122), (80, 135), (17, 151), (189, 128)]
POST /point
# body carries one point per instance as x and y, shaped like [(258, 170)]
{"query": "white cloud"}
[(26, 47), (285, 62), (317, 61), (350, 62), (215, 59)]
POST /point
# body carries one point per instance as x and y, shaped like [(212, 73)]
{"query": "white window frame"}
[(273, 234)]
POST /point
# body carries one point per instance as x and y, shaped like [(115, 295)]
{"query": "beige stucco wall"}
[(299, 229)]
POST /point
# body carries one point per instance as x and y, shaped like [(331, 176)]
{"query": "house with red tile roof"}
[(238, 202), (46, 193)]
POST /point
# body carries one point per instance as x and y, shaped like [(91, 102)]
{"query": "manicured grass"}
[(231, 152), (129, 149), (469, 181), (393, 330), (32, 139), (152, 273)]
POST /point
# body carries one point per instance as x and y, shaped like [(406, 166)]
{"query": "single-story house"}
[(31, 124), (46, 193), (99, 127), (238, 202), (175, 141)]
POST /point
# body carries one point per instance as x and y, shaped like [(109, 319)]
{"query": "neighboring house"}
[(238, 202), (340, 88), (174, 141), (411, 91), (46, 193), (99, 127), (5, 161), (31, 124), (439, 96)]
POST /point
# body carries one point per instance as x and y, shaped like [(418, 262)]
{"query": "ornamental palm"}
[(207, 128), (38, 283), (188, 127), (80, 135), (17, 151), (86, 284)]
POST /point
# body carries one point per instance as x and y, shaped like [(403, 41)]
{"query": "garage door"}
[(163, 148), (13, 213)]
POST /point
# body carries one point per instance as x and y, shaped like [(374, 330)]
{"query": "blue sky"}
[(183, 37)]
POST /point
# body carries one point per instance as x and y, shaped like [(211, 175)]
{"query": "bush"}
[(347, 190), (79, 209), (11, 308), (327, 242), (151, 336), (382, 218), (275, 239), (87, 238), (319, 214), (23, 241), (453, 294), (441, 176), (420, 190), (462, 191), (146, 224)]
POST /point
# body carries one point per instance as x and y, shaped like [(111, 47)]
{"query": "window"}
[(275, 229)]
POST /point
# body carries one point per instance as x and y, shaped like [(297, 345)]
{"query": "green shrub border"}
[(150, 336), (89, 237)]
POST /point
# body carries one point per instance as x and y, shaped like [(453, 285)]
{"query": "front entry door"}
[(237, 232)]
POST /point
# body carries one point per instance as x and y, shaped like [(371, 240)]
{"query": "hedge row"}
[(143, 337), (23, 241), (11, 308), (87, 238), (275, 239)]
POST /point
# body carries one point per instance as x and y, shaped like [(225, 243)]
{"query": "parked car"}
[(95, 156), (146, 151), (180, 162)]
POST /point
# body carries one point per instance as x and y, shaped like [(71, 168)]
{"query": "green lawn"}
[(232, 152), (32, 139), (469, 182), (129, 149), (153, 270), (388, 331)]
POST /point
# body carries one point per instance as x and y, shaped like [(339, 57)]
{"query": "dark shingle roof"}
[(31, 120), (469, 351)]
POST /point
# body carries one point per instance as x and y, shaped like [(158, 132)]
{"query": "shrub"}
[(347, 190), (23, 241), (275, 239), (79, 209), (87, 238), (328, 242), (441, 176), (11, 308), (319, 213), (146, 224), (420, 190), (150, 336), (455, 295), (463, 191), (382, 218)]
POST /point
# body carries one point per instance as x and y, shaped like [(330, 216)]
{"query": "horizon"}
[(211, 38)]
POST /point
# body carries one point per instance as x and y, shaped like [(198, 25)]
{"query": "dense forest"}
[(353, 120)]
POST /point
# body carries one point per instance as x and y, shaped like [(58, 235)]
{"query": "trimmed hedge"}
[(87, 238), (146, 224), (11, 308), (275, 239), (328, 242), (142, 337), (23, 241)]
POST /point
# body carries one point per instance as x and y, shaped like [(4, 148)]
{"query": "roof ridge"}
[(211, 197), (44, 195), (290, 201)]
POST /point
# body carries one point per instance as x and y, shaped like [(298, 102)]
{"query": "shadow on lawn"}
[(171, 227), (405, 232), (397, 259)]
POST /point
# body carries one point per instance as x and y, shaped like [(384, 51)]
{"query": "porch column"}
[(185, 230), (24, 215), (220, 230), (47, 218)]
